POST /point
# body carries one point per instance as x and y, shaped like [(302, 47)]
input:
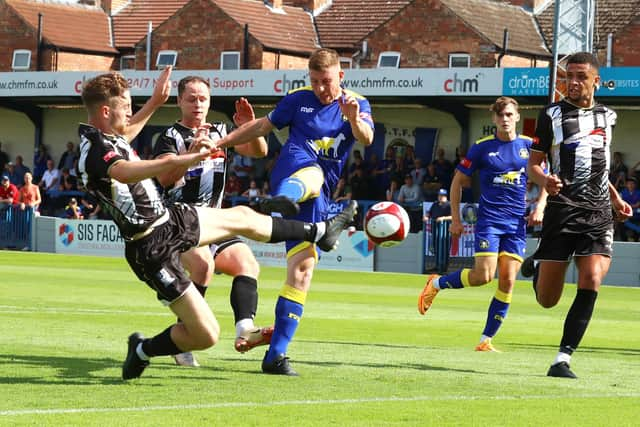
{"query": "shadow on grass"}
[(586, 349), (85, 371)]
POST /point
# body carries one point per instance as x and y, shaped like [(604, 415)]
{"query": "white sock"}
[(244, 325), (436, 283), (140, 353), (484, 337), (321, 229), (562, 357)]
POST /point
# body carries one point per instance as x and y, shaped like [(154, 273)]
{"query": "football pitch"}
[(364, 354)]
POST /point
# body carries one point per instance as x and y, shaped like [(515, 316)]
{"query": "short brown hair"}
[(501, 103), (101, 89), (182, 84), (323, 58)]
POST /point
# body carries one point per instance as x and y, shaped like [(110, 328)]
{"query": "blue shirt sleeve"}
[(283, 114)]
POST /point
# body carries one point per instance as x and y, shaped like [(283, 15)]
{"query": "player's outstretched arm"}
[(244, 114), (131, 172), (622, 209), (160, 95), (245, 133)]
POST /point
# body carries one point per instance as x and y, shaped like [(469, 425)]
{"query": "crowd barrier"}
[(15, 227)]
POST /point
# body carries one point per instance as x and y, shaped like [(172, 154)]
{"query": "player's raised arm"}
[(159, 97), (256, 147)]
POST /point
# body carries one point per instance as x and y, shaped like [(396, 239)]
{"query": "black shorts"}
[(568, 230), (156, 258), (217, 248)]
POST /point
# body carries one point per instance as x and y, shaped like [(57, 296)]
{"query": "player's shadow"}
[(585, 349), (82, 371)]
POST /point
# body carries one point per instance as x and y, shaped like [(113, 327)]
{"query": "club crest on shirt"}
[(523, 153)]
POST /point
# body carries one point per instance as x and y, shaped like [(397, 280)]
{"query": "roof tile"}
[(68, 25), (131, 22)]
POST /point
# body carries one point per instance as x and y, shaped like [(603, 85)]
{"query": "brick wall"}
[(433, 32), (14, 34), (199, 32), (68, 61), (626, 49)]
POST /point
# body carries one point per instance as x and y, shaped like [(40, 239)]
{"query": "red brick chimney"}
[(310, 5)]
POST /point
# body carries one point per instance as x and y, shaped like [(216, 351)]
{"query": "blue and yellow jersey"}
[(502, 167), (318, 134)]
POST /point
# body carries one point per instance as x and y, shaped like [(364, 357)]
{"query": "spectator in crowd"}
[(253, 193), (29, 193), (40, 162), (418, 172), (68, 157), (440, 211), (410, 193), (431, 184), (10, 171), (444, 168), (91, 208), (619, 170), (68, 182), (630, 229), (9, 193), (72, 210), (50, 178), (233, 187), (242, 166), (409, 156), (391, 195), (358, 163), (635, 171), (20, 169), (360, 185), (4, 159), (381, 174), (398, 170), (342, 191), (266, 189), (531, 200)]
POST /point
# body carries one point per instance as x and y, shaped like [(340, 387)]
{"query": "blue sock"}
[(292, 188), (496, 314), (452, 280), (288, 314)]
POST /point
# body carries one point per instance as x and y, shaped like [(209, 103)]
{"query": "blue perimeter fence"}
[(15, 227)]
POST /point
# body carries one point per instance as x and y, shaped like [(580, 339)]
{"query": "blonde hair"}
[(323, 58)]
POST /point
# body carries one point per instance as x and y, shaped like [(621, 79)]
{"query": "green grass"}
[(366, 357)]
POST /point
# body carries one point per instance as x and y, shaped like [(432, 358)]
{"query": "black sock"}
[(287, 229), (578, 317), (536, 272), (244, 297), (201, 289), (160, 345)]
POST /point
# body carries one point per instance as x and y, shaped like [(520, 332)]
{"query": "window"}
[(230, 61), (346, 63), (21, 60), (459, 60), (389, 60), (166, 57), (128, 62)]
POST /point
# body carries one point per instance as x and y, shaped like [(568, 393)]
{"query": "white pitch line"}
[(302, 402), (17, 310)]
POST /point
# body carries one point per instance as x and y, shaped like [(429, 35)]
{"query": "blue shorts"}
[(492, 241)]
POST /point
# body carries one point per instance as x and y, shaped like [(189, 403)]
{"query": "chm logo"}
[(65, 234)]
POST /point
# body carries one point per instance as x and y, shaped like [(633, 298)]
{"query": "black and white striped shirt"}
[(135, 206), (578, 142), (202, 184)]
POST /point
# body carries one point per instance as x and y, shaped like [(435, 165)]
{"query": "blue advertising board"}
[(616, 81)]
